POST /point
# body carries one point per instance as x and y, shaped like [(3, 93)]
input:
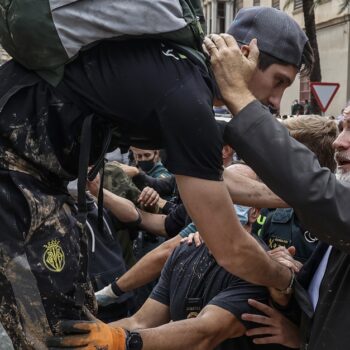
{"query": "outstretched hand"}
[(233, 68), (88, 335), (105, 296), (275, 328), (285, 257), (148, 197), (131, 171)]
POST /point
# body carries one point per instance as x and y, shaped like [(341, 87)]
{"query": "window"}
[(276, 4), (221, 17), (256, 3), (298, 4)]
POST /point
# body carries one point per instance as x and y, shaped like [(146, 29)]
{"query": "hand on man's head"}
[(233, 68)]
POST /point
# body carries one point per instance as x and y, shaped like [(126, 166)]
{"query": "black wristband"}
[(115, 289)]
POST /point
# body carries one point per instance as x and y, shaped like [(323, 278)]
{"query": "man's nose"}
[(275, 102), (342, 142)]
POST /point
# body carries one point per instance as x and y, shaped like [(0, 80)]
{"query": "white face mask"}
[(242, 213)]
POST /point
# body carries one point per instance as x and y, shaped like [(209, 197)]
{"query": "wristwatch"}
[(133, 341)]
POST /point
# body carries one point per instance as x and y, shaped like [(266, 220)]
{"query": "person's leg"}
[(40, 255), (15, 219)]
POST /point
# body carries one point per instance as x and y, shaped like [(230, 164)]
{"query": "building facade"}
[(333, 35)]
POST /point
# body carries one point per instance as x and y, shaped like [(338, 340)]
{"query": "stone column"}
[(228, 13), (214, 14)]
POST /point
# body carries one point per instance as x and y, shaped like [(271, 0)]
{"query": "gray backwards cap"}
[(277, 33)]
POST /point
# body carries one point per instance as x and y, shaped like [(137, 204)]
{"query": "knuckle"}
[(214, 59)]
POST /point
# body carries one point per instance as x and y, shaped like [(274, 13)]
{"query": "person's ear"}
[(253, 215), (156, 156), (226, 150), (245, 50)]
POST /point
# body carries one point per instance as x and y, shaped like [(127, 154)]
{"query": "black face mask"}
[(146, 165)]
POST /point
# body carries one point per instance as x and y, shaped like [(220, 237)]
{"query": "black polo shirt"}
[(216, 287)]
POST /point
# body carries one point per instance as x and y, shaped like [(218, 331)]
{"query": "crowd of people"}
[(298, 108), (205, 234)]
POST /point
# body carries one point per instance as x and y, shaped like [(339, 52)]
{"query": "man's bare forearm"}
[(245, 191), (211, 327), (123, 209), (149, 267), (171, 336), (175, 336), (153, 223), (210, 207), (151, 314)]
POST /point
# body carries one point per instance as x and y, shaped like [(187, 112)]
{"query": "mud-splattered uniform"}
[(40, 237), (41, 241)]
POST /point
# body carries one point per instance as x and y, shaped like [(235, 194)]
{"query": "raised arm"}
[(209, 205), (246, 191), (284, 165), (123, 209)]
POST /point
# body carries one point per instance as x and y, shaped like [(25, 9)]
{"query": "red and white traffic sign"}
[(324, 93)]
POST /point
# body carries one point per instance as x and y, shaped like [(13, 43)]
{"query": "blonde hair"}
[(316, 133)]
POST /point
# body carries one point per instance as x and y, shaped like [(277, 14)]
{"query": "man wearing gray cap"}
[(320, 200), (193, 155), (284, 50)]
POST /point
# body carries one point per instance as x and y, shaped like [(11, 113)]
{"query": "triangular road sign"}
[(324, 93)]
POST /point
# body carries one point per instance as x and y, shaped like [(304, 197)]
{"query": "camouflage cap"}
[(119, 183)]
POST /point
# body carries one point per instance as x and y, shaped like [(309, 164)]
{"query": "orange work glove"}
[(88, 335)]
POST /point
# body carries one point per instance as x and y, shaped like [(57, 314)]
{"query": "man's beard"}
[(343, 176)]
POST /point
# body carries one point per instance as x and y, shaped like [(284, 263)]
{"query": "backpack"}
[(44, 35)]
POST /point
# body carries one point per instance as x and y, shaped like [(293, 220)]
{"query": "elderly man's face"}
[(342, 151)]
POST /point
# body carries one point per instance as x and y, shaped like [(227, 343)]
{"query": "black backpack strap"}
[(84, 157), (100, 165)]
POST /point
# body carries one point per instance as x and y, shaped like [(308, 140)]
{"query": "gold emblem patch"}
[(53, 257)]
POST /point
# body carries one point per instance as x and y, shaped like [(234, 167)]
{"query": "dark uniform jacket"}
[(321, 203), (283, 228)]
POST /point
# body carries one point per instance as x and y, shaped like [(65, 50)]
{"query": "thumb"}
[(292, 250), (253, 51)]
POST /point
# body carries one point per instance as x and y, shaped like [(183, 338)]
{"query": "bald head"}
[(242, 169)]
